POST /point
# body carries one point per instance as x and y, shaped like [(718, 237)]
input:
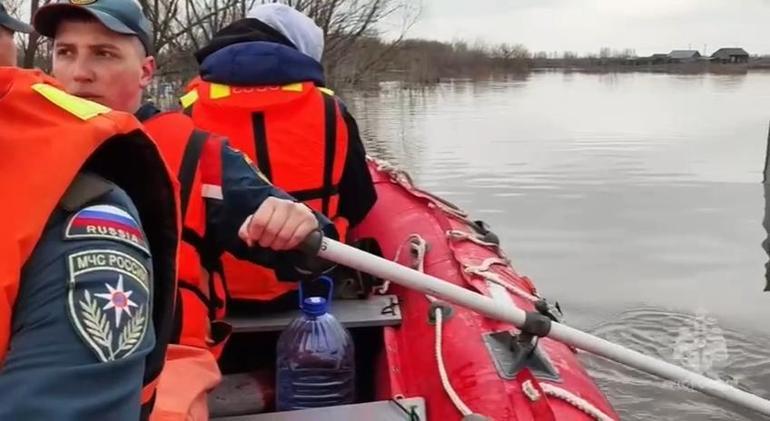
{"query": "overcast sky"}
[(585, 26)]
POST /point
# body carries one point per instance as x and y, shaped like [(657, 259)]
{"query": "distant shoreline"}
[(673, 68)]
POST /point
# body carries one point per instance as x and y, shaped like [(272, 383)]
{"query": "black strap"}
[(176, 333), (190, 159), (148, 407), (330, 122), (260, 144), (312, 194), (210, 260), (188, 111), (198, 293)]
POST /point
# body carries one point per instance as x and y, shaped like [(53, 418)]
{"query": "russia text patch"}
[(106, 221)]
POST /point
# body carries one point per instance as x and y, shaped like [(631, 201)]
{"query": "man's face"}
[(7, 47), (95, 63)]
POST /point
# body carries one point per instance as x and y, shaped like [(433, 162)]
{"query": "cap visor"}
[(47, 19), (15, 25)]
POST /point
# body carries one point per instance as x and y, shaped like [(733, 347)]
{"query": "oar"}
[(337, 252)]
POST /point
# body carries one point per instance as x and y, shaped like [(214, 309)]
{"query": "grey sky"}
[(585, 26)]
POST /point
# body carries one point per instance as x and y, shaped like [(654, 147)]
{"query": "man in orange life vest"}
[(8, 27), (102, 51), (88, 266), (262, 84)]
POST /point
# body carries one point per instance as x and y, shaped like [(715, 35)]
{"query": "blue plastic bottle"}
[(315, 364)]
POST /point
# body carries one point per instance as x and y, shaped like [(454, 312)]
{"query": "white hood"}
[(298, 28)]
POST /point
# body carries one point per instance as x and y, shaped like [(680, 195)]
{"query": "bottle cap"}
[(314, 306)]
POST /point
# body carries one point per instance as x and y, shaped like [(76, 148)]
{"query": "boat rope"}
[(420, 247), (403, 179), (575, 401), (453, 396), (483, 271), (474, 238)]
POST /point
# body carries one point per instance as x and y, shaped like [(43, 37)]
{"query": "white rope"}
[(416, 242), (483, 271), (420, 247), (453, 396), (402, 178), (575, 401), (487, 264), (462, 235)]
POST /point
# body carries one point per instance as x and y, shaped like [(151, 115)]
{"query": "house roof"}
[(681, 54), (729, 52)]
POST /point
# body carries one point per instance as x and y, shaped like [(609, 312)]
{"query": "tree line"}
[(366, 41)]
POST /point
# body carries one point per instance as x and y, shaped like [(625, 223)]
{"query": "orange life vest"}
[(47, 137), (195, 156), (297, 136)]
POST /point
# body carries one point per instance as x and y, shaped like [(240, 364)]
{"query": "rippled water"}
[(635, 200)]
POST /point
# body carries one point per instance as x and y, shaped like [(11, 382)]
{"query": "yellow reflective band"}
[(79, 107), (326, 91), (189, 98), (219, 91), (293, 87)]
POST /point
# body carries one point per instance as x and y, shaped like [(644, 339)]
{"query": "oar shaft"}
[(352, 257)]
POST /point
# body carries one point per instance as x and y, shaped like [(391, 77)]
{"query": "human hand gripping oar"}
[(336, 252)]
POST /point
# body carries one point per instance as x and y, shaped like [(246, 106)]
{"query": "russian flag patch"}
[(108, 222)]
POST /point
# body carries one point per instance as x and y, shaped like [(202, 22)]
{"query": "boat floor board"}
[(378, 310), (372, 411)]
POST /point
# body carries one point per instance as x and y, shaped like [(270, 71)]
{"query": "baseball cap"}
[(9, 22), (121, 16)]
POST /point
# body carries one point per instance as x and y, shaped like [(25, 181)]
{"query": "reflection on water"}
[(612, 192)]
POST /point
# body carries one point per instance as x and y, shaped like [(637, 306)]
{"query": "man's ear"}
[(148, 71)]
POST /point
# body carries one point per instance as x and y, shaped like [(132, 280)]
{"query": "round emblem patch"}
[(108, 301)]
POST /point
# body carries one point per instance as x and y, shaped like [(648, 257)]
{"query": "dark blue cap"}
[(315, 306), (121, 16), (14, 25)]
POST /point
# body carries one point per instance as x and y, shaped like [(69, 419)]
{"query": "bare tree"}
[(506, 51), (29, 45), (354, 30), (184, 26)]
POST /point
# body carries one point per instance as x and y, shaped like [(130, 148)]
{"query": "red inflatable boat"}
[(426, 359), (467, 363)]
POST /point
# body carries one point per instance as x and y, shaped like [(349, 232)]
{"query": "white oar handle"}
[(354, 258)]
